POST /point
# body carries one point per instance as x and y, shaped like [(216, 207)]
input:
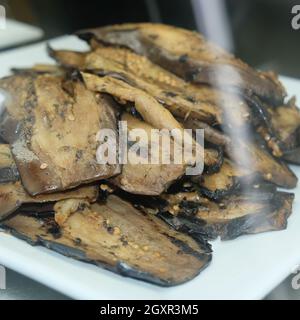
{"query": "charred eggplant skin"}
[(273, 216), (79, 254), (59, 236), (192, 58), (149, 224)]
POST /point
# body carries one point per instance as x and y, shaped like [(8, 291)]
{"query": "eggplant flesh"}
[(228, 180), (183, 99), (147, 178), (259, 160), (150, 110), (189, 56), (119, 238), (209, 65), (233, 217), (144, 38), (180, 97), (13, 195), (271, 169), (285, 120), (54, 142), (279, 127)]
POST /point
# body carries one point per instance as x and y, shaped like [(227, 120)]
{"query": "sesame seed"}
[(117, 230), (43, 166), (267, 137), (176, 207), (269, 176), (103, 187), (157, 254)]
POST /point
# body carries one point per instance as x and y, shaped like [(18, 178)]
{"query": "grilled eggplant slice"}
[(189, 56), (150, 110), (118, 237), (230, 106), (229, 179), (234, 216), (212, 135), (54, 140), (13, 195), (258, 159), (286, 122), (271, 169), (280, 126), (144, 178), (181, 98)]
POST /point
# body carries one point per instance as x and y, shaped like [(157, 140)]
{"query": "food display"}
[(149, 221)]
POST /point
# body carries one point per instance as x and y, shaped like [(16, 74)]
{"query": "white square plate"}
[(16, 32), (246, 268)]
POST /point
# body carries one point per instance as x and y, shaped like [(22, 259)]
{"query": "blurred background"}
[(257, 31)]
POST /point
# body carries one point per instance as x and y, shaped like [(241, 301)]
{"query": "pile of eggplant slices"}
[(150, 222)]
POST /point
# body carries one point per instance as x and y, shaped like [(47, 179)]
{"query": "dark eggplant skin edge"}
[(245, 225), (182, 66), (196, 228), (237, 187), (219, 194), (120, 268)]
